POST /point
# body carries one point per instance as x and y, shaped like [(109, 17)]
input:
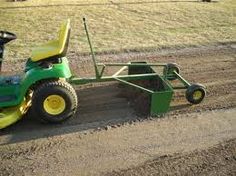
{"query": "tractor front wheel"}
[(54, 101)]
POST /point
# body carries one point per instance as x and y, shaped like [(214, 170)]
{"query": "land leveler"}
[(44, 88)]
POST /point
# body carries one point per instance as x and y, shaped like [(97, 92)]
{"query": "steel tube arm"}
[(91, 49)]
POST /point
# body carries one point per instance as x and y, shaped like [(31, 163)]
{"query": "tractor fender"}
[(38, 74)]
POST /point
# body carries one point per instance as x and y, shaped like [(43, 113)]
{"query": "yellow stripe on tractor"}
[(11, 115)]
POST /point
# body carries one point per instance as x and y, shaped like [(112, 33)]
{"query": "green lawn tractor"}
[(44, 88)]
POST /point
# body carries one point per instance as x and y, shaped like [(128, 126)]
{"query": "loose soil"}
[(217, 160), (106, 134)]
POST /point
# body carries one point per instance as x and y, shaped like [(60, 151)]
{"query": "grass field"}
[(118, 26)]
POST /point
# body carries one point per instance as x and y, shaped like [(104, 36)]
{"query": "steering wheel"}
[(6, 37)]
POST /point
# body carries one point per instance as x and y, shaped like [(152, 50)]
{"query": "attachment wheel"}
[(169, 69), (195, 93)]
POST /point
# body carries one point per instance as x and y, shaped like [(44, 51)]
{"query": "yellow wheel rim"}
[(54, 104), (197, 95)]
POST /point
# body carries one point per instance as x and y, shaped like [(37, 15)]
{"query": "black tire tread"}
[(190, 91), (51, 83)]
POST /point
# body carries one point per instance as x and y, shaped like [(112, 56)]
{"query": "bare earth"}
[(109, 137), (217, 160)]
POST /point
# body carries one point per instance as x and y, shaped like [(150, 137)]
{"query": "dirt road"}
[(121, 148), (217, 160), (107, 135)]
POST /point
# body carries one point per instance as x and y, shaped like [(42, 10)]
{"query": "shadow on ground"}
[(99, 107)]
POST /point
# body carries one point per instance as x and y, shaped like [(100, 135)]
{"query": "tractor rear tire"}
[(195, 93), (54, 101)]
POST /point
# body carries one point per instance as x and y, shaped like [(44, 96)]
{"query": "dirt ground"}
[(108, 136), (217, 160)]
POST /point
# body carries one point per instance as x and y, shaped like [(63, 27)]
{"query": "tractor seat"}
[(53, 49)]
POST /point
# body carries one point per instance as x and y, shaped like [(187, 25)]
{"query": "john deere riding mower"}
[(44, 87)]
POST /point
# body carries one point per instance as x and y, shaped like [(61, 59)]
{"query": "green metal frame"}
[(160, 100)]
